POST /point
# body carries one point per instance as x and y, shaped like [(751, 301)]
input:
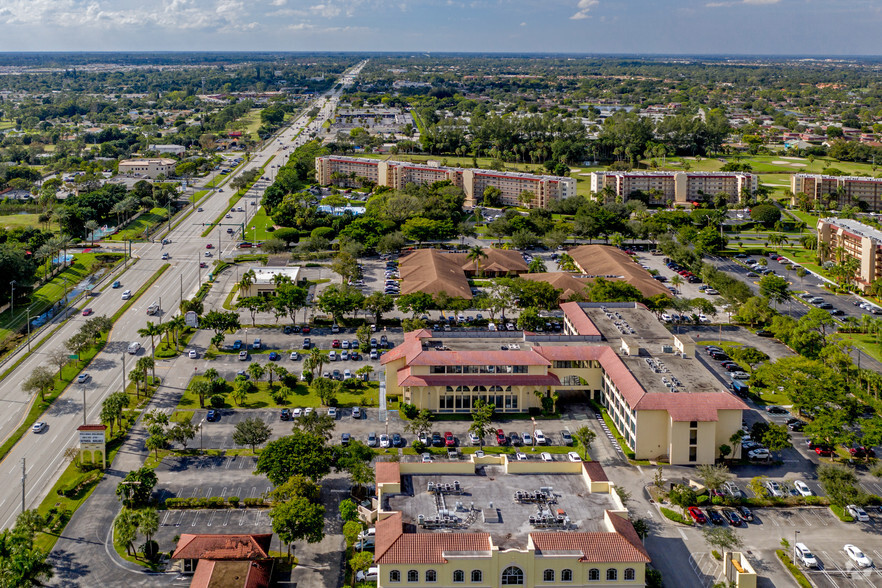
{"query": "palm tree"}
[(476, 254), (256, 371), (151, 331), (144, 364), (125, 528), (676, 282), (246, 281), (137, 376), (177, 324), (148, 522), (316, 360), (91, 226)]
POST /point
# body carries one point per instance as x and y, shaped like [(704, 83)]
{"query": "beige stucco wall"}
[(652, 434), (729, 422)]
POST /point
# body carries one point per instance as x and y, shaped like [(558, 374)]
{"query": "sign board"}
[(91, 437), (191, 319), (73, 356)]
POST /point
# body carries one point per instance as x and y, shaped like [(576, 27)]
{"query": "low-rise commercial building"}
[(266, 279), (661, 188), (434, 271), (842, 238), (515, 523), (173, 149), (352, 171), (663, 401), (151, 168), (838, 191), (611, 263)]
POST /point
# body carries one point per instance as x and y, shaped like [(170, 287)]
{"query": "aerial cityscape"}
[(350, 294)]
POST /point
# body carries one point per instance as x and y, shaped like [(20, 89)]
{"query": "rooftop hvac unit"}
[(667, 349)]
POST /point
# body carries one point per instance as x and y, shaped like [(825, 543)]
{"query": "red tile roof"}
[(569, 352), (698, 406), (406, 378), (595, 471), (598, 547), (579, 320), (393, 546), (223, 546), (603, 260), (482, 357), (232, 574), (387, 472), (92, 428)]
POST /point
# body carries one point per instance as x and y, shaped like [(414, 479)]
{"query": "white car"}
[(573, 456), (666, 317), (332, 412), (857, 556), (426, 458), (546, 456), (126, 294), (805, 556), (192, 354), (802, 488), (759, 454), (243, 355), (297, 413), (384, 441), (526, 438), (307, 411), (332, 356), (344, 344), (134, 347), (474, 439), (295, 356), (540, 437), (774, 488), (83, 378), (732, 490), (347, 375), (372, 575), (521, 456), (38, 427), (858, 513)]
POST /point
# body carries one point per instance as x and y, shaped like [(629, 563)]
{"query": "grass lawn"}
[(866, 343), (11, 221), (136, 228), (251, 122), (810, 220), (255, 230), (300, 397)]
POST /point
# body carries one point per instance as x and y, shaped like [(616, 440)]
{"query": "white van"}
[(134, 347)]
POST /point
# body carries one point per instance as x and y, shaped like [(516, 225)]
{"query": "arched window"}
[(431, 576), (612, 574), (414, 576), (512, 576), (630, 574), (594, 575), (477, 576), (548, 576), (394, 576), (458, 576), (566, 575)]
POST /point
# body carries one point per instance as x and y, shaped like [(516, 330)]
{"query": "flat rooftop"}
[(657, 368), (265, 274), (856, 227), (507, 521)]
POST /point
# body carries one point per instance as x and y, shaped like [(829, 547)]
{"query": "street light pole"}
[(84, 403), (795, 539), (200, 434), (12, 297)]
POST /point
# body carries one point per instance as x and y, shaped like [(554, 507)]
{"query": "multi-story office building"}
[(679, 187), (495, 521), (344, 171), (663, 401), (151, 168), (840, 190), (845, 238)]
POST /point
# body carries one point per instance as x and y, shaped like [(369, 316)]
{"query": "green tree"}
[(360, 562), (251, 431), (338, 300), (529, 320), (417, 302), (325, 389), (299, 453), (112, 409), (135, 489), (682, 496), (298, 519), (775, 288), (183, 432), (378, 303), (776, 438), (475, 255), (757, 485), (840, 484), (420, 424), (125, 529), (584, 437), (713, 476), (152, 331), (721, 538), (349, 511), (40, 380), (482, 417)]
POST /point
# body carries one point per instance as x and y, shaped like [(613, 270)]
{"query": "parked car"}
[(243, 355), (372, 440), (285, 415), (527, 438), (760, 453), (776, 410), (566, 437), (384, 441), (696, 515), (732, 517), (356, 412), (437, 439), (515, 439), (211, 416), (745, 513), (774, 489), (715, 517), (857, 513), (501, 439), (805, 556), (573, 456), (857, 556), (802, 488), (546, 456), (449, 439), (344, 439), (396, 440), (540, 437)]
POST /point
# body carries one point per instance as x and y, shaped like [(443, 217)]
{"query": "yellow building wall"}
[(729, 422), (652, 434), (392, 387)]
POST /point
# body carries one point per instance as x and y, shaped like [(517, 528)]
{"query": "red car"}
[(335, 343), (501, 439), (209, 246), (449, 439), (203, 264), (87, 312), (245, 245), (823, 451), (696, 515), (305, 330)]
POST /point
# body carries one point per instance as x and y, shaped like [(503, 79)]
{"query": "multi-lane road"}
[(44, 452)]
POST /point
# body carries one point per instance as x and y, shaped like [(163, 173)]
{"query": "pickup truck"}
[(153, 308)]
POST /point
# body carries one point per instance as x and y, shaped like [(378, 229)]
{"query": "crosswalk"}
[(609, 434)]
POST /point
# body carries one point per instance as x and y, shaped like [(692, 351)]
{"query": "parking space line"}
[(227, 518), (804, 518), (208, 492), (257, 516), (166, 517), (230, 462), (211, 518), (825, 521), (242, 518), (181, 520), (224, 493), (195, 519)]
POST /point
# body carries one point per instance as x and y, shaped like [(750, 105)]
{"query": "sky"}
[(692, 27)]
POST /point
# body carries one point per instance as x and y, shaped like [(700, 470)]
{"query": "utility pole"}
[(124, 372), (182, 287), (29, 329), (23, 476), (160, 310), (84, 403), (12, 298)]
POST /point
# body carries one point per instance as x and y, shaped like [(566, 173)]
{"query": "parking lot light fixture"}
[(795, 539), (202, 422)]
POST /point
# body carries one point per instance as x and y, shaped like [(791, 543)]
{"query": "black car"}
[(745, 514), (285, 415), (211, 416), (344, 439), (307, 343), (396, 440), (515, 439), (287, 329), (776, 410), (732, 518), (337, 375), (437, 439), (715, 517)]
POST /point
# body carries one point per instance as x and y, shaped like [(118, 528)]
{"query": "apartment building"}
[(663, 401), (397, 174), (678, 187), (150, 168), (846, 238), (840, 190), (527, 523)]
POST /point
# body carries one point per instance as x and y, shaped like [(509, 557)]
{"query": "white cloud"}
[(523, 24), (583, 8), (741, 2)]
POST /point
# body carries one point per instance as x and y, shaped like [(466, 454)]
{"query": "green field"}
[(256, 228), (136, 228), (10, 221)]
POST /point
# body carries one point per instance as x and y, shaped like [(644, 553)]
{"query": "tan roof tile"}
[(223, 546)]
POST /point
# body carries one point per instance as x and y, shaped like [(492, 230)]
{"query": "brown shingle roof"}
[(394, 546), (567, 283), (223, 546), (598, 547), (603, 260), (387, 472), (433, 272), (595, 471), (232, 574)]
